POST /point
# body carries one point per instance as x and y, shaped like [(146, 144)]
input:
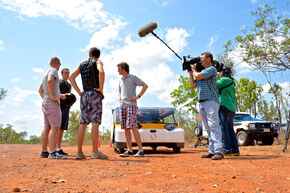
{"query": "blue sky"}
[(32, 31)]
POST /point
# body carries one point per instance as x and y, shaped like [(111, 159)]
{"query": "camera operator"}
[(227, 99), (205, 82)]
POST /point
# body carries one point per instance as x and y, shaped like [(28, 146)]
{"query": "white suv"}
[(248, 129)]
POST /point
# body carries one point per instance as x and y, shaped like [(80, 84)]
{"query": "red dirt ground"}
[(257, 169)]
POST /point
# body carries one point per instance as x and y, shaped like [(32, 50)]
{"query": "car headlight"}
[(251, 126)]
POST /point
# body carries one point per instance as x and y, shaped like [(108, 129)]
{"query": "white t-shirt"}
[(51, 71)]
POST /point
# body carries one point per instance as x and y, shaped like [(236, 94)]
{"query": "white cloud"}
[(103, 37), (254, 1), (236, 56), (82, 14), (176, 38), (15, 80), (266, 88), (1, 45), (162, 4), (38, 70), (148, 58), (211, 41), (214, 38), (17, 95), (284, 85)]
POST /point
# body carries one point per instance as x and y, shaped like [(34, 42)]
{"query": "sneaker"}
[(61, 152), (209, 155), (80, 155), (127, 154), (99, 155), (140, 153), (44, 154), (217, 156), (231, 154), (235, 154), (56, 155)]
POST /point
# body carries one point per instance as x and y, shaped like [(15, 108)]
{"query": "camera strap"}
[(226, 86)]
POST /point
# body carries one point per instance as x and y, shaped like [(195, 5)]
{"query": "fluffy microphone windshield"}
[(147, 29)]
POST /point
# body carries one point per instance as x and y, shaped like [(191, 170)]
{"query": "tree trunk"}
[(275, 95)]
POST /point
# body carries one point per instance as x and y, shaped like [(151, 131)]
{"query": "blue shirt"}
[(206, 87)]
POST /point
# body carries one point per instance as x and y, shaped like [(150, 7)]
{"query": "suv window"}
[(247, 118), (237, 118), (242, 117)]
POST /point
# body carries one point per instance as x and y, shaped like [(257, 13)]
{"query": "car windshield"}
[(242, 117), (153, 115)]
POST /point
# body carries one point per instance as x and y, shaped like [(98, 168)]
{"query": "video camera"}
[(187, 61)]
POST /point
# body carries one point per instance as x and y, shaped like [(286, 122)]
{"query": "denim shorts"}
[(128, 116), (91, 107), (52, 114)]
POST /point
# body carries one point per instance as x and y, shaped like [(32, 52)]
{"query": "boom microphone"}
[(147, 29)]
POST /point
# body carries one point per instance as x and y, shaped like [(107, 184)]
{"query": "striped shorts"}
[(91, 107), (128, 116)]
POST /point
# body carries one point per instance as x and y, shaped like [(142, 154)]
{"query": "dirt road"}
[(258, 169)]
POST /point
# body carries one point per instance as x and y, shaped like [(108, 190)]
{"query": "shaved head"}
[(55, 62)]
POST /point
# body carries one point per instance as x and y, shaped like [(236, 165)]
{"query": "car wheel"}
[(119, 150), (243, 138), (154, 148), (198, 131), (176, 149), (269, 140)]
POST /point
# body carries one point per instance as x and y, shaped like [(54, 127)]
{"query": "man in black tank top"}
[(93, 78)]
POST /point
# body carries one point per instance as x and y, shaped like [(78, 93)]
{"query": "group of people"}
[(217, 107), (54, 91)]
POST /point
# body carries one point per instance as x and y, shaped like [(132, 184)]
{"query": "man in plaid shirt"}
[(205, 82), (128, 110)]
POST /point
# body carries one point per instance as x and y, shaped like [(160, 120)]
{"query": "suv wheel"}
[(176, 149), (243, 138), (268, 140)]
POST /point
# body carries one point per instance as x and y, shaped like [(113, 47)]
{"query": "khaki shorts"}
[(52, 113)]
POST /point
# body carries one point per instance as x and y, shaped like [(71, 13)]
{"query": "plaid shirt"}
[(206, 87)]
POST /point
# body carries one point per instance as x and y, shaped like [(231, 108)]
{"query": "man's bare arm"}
[(191, 81), (101, 76), (50, 86), (41, 91), (73, 81)]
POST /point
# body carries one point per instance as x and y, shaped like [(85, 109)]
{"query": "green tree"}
[(265, 46), (183, 94), (187, 123), (3, 93), (267, 112), (227, 61), (248, 93), (282, 102), (73, 126), (34, 139), (8, 135)]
